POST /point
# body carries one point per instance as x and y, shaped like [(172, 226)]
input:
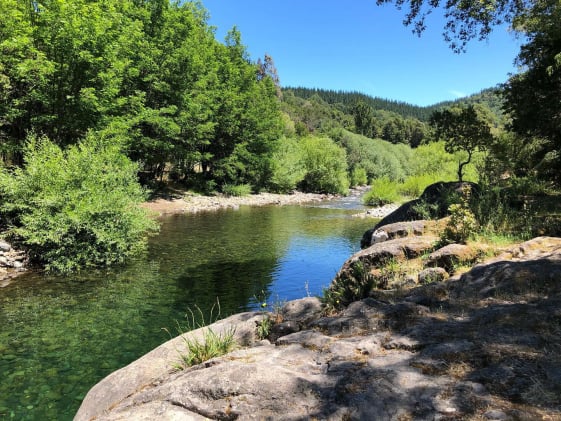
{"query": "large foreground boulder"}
[(485, 346)]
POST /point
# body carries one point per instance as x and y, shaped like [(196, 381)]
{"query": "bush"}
[(359, 177), (462, 224), (287, 167), (75, 208), (238, 190), (383, 192), (378, 157), (325, 166)]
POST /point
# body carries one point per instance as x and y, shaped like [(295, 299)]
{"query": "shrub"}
[(414, 185), (325, 166), (75, 208), (287, 167), (462, 223), (383, 192), (238, 190), (359, 177)]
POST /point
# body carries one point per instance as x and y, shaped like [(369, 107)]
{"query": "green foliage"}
[(466, 129), (377, 157), (359, 177), (264, 327), (210, 345), (414, 185), (382, 192), (462, 224), (75, 208), (150, 74), (531, 96), (236, 190), (325, 166), (287, 167), (345, 289)]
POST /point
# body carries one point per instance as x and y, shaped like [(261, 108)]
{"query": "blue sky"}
[(355, 45)]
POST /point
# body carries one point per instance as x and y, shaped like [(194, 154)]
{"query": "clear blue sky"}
[(355, 45)]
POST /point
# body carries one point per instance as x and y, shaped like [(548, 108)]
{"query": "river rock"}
[(4, 246), (448, 257), (395, 230), (398, 249)]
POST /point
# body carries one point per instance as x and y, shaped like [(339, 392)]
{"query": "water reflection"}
[(60, 335)]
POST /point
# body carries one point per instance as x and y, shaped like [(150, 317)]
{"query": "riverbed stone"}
[(395, 230), (4, 246)]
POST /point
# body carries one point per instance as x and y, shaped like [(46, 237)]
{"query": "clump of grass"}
[(353, 285), (264, 327), (272, 315), (211, 345)]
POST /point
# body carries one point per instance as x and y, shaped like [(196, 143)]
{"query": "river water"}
[(61, 335)]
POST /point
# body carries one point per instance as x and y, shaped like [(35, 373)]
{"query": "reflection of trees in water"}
[(63, 334)]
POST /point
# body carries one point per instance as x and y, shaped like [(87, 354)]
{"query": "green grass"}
[(212, 344)]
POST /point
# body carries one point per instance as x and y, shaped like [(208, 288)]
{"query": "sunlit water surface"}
[(61, 335)]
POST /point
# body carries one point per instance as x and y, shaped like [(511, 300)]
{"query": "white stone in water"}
[(5, 246)]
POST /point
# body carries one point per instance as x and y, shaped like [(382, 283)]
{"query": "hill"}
[(321, 110)]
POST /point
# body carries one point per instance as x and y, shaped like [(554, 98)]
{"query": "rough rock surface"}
[(448, 257), (486, 345), (392, 231)]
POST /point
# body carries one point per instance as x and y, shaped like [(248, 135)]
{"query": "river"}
[(62, 334)]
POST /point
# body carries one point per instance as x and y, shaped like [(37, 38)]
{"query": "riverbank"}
[(185, 202)]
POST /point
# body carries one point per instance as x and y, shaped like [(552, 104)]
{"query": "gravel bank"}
[(193, 204)]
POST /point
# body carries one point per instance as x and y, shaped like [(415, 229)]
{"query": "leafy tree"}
[(465, 20), (75, 208), (287, 166), (463, 129), (325, 166), (364, 119), (532, 97)]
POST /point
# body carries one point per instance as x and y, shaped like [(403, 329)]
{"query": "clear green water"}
[(61, 335)]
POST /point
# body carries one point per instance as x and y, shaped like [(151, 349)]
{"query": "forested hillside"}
[(394, 121)]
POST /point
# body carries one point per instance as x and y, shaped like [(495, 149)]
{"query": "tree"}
[(463, 129), (325, 166), (532, 97), (364, 119), (267, 68), (465, 20)]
